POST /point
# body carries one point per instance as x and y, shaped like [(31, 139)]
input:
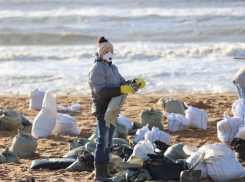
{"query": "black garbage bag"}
[(155, 156), (87, 157), (52, 163), (123, 151), (238, 144), (161, 147), (164, 169)]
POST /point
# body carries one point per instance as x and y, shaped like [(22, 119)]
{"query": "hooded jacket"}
[(104, 81)]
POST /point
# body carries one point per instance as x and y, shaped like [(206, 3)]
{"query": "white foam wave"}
[(126, 12), (133, 50)]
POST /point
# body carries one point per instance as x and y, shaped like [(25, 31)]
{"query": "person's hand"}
[(141, 81), (126, 89)]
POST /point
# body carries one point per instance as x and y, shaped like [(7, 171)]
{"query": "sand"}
[(56, 145)]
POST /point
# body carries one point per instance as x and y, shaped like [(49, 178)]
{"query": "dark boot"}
[(99, 173), (107, 171)]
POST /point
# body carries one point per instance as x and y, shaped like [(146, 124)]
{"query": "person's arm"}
[(122, 80), (99, 86)]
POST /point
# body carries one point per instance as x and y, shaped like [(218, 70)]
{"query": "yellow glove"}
[(140, 80), (126, 89)]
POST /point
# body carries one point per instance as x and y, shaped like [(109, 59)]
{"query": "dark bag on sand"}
[(238, 145), (165, 169), (25, 122), (161, 147), (87, 157), (123, 151), (52, 163)]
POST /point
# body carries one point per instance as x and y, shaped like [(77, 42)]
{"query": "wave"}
[(46, 38), (129, 51), (125, 12)]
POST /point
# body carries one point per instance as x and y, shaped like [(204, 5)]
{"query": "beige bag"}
[(152, 117), (7, 156), (10, 120), (171, 105), (24, 145)]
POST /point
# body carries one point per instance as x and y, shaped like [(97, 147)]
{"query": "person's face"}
[(109, 49)]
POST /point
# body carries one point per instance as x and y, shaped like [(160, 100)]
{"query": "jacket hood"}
[(97, 58)]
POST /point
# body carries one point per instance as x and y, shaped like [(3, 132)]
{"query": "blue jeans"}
[(240, 91), (105, 137)]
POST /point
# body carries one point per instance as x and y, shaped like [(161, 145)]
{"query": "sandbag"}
[(228, 128), (10, 120), (36, 99), (241, 132), (91, 146), (79, 166), (202, 166), (175, 152), (45, 121), (65, 124), (74, 153), (152, 117), (176, 122), (87, 156), (156, 134), (238, 109), (120, 141), (171, 105), (164, 169), (122, 131), (141, 150), (140, 134), (52, 163), (135, 127), (125, 121), (197, 117), (76, 142), (7, 156), (122, 151), (25, 122), (115, 164), (238, 145), (160, 147), (24, 145), (223, 166), (94, 134)]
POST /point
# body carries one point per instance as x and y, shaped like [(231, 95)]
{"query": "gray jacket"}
[(240, 77), (104, 81)]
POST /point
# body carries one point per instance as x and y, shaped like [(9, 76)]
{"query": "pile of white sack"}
[(195, 118), (48, 120), (232, 127)]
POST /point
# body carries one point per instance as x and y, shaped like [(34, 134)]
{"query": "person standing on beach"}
[(105, 82), (239, 82)]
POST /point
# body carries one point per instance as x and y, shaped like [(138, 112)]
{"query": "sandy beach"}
[(56, 145)]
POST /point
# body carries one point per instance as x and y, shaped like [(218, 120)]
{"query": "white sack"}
[(238, 109), (241, 132), (73, 107), (176, 122), (221, 162), (140, 134), (125, 121), (156, 134), (65, 124), (45, 121), (141, 150), (202, 166), (228, 128), (197, 117), (36, 99)]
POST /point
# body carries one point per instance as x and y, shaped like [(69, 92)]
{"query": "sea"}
[(176, 46)]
